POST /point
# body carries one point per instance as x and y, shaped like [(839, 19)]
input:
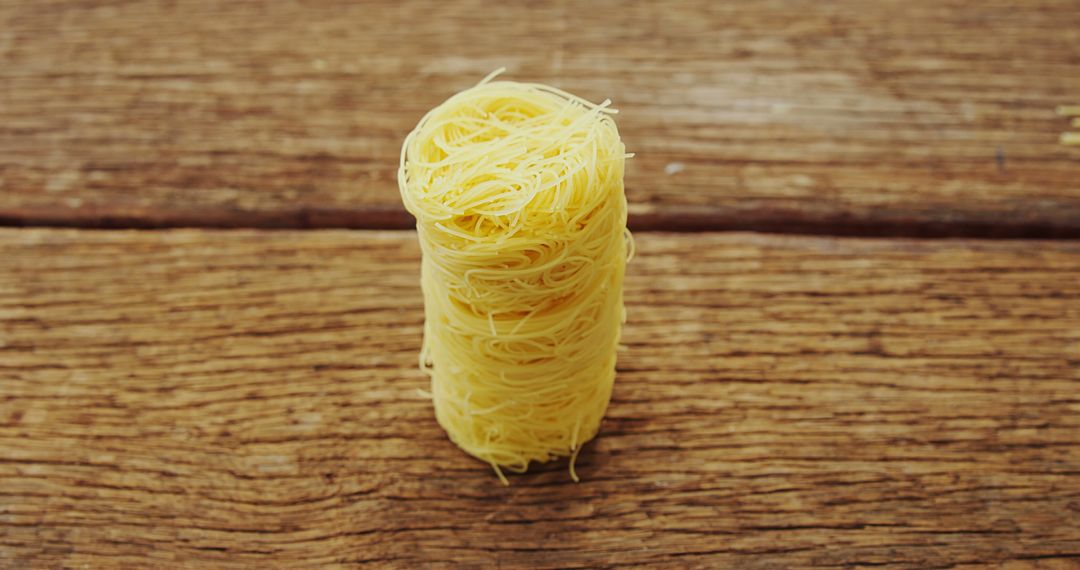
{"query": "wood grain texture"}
[(237, 399), (896, 118)]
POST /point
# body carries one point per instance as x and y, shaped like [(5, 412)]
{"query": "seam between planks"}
[(645, 219)]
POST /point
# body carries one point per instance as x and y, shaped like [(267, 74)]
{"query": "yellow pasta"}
[(517, 190)]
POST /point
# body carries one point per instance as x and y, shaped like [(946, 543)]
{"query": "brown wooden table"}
[(854, 320)]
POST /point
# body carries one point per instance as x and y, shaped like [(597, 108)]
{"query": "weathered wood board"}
[(897, 118), (242, 398)]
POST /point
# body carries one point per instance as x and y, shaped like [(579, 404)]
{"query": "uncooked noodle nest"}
[(517, 190)]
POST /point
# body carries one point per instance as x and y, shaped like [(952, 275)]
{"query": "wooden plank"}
[(904, 118), (245, 398)]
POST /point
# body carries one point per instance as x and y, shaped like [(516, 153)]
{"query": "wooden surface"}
[(241, 398), (248, 398), (892, 118)]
